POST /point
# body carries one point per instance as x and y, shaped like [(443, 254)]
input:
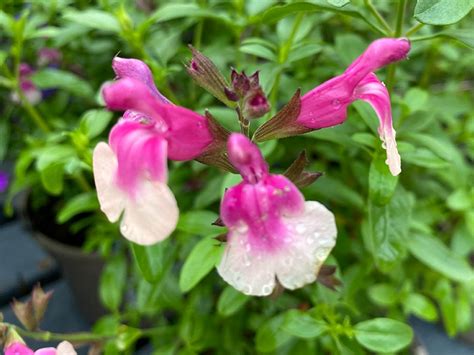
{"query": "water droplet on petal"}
[(310, 240), (336, 103), (248, 247), (266, 289), (242, 228), (316, 235), (123, 227), (321, 254), (248, 290)]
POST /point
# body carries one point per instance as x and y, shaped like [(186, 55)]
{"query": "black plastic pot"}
[(81, 270)]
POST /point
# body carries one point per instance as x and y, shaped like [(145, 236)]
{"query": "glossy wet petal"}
[(371, 90), (246, 158), (138, 70), (308, 240), (66, 348), (149, 216)]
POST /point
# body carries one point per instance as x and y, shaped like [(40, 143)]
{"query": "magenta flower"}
[(273, 233), (326, 105), (4, 181), (18, 348), (131, 171)]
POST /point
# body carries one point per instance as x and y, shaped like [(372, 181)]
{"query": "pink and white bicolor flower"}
[(326, 105), (273, 233), (18, 348), (131, 171)]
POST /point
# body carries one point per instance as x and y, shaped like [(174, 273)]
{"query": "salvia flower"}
[(131, 171), (274, 235), (18, 348), (326, 105)]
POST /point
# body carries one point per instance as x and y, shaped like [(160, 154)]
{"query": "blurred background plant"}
[(405, 244)]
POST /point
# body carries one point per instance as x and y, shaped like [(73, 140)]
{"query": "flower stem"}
[(79, 337), (378, 16), (32, 112), (398, 31), (244, 123), (283, 56), (414, 29)]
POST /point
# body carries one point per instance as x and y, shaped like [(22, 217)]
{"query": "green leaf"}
[(153, 260), (112, 283), (459, 200), (465, 36), (270, 336), (55, 78), (4, 138), (442, 12), (302, 325), (259, 51), (433, 253), (383, 335), (84, 202), (338, 3), (174, 11), (52, 178), (94, 122), (202, 259), (126, 337), (383, 294), (415, 99), (278, 12), (199, 222), (95, 19), (231, 301), (386, 228), (303, 51), (421, 306), (382, 183)]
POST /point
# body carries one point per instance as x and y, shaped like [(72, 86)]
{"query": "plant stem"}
[(414, 29), (80, 337), (378, 16), (283, 56), (244, 123), (398, 31), (34, 114)]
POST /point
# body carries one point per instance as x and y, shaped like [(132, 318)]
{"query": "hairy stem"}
[(398, 31)]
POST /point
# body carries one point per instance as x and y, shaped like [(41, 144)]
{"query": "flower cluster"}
[(18, 348), (274, 236)]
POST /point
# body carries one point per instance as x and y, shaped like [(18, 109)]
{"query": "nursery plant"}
[(258, 176)]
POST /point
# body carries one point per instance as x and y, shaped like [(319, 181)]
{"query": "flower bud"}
[(248, 90), (40, 300), (206, 74), (25, 313)]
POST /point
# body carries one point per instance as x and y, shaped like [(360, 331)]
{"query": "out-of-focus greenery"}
[(405, 245)]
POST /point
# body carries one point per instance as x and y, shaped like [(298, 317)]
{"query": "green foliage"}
[(405, 244)]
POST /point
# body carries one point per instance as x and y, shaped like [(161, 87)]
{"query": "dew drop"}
[(286, 189), (384, 146), (123, 227), (267, 289), (310, 240), (248, 290), (242, 228), (336, 103)]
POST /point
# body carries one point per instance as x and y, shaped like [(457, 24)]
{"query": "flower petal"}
[(149, 216), (326, 105), (66, 348), (138, 70), (371, 90), (309, 240), (141, 150), (18, 348), (247, 158), (111, 198), (188, 132)]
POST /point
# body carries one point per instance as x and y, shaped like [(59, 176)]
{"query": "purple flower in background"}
[(49, 57), (31, 92), (4, 180)]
